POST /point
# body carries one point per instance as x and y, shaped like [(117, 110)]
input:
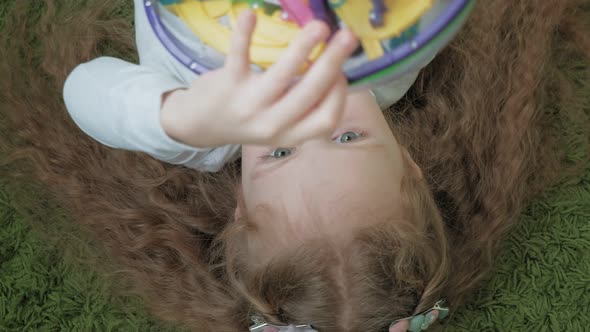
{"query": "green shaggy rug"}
[(542, 281)]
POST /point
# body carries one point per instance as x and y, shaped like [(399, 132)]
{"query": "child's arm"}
[(118, 104), (121, 104)]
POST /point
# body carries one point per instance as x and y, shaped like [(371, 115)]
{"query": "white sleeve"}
[(118, 104)]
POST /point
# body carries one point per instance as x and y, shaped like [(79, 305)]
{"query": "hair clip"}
[(261, 326), (416, 323), (422, 321)]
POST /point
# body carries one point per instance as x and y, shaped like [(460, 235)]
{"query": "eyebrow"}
[(364, 145)]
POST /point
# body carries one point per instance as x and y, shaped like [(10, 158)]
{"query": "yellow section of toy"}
[(270, 39), (273, 33), (400, 15)]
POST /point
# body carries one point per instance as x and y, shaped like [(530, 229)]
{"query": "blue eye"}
[(280, 153), (348, 136)]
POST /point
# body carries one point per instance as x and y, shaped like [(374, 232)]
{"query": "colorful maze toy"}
[(396, 36)]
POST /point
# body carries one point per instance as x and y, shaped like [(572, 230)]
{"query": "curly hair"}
[(475, 122)]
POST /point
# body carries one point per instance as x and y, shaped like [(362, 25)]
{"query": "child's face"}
[(328, 184)]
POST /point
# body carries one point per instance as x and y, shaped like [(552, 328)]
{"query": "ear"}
[(414, 169), (239, 204), (237, 213)]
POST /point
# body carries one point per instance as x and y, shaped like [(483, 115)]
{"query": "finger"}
[(280, 75), (238, 57), (321, 120), (401, 326), (321, 76)]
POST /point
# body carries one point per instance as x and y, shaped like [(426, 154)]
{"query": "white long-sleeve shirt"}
[(118, 103)]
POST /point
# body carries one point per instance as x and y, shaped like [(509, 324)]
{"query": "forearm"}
[(119, 105)]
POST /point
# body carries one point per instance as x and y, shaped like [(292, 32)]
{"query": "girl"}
[(207, 251), (315, 161)]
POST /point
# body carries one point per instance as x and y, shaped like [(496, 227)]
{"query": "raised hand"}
[(236, 105)]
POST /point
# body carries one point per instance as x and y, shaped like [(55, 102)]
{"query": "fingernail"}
[(317, 29), (347, 38)]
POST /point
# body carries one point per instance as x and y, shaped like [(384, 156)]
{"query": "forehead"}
[(324, 188), (320, 205)]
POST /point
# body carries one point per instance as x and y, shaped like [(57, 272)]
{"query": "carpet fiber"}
[(542, 281)]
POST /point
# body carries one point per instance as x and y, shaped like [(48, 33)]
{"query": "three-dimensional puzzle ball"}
[(396, 36)]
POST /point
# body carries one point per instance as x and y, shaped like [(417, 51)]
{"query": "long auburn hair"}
[(480, 121)]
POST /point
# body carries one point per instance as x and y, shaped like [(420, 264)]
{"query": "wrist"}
[(182, 122), (170, 114)]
